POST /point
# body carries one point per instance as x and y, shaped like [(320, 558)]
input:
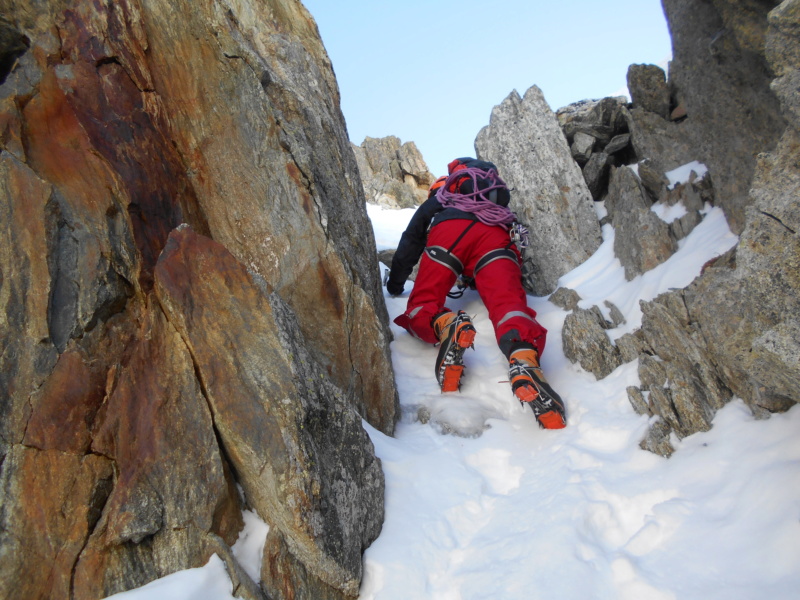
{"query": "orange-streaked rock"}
[(170, 477), (298, 450), (119, 122)]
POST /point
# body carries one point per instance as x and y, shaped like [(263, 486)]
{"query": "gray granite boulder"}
[(549, 193)]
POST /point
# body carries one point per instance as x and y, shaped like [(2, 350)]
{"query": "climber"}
[(465, 229)]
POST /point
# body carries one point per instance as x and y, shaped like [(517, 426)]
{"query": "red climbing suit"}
[(498, 282)]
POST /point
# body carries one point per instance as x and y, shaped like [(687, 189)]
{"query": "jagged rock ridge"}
[(733, 331), (394, 175)]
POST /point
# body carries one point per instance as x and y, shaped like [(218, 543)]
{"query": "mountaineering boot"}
[(456, 333), (530, 386)]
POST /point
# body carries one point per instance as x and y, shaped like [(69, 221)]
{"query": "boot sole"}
[(451, 370), (552, 419), (451, 380)]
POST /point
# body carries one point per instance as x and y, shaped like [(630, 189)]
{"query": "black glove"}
[(394, 289)]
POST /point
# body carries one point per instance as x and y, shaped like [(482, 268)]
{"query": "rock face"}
[(720, 72), (734, 331), (394, 175), (315, 475), (664, 143), (642, 240), (549, 193), (191, 301)]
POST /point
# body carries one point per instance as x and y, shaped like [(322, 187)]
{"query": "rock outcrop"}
[(736, 326), (394, 175), (597, 132), (649, 91), (608, 133), (549, 194), (190, 301), (734, 330), (720, 72), (585, 341), (642, 239)]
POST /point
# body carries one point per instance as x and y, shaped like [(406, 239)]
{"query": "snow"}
[(388, 225), (667, 213), (210, 582), (682, 173), (481, 503), (249, 548)]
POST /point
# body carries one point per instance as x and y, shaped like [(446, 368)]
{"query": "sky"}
[(430, 71), (481, 503)]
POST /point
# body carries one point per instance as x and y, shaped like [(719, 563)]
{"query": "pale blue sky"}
[(431, 71)]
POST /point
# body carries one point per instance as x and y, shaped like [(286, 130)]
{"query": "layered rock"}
[(394, 175), (549, 193), (611, 132), (739, 324), (660, 133), (598, 134), (586, 342), (141, 381)]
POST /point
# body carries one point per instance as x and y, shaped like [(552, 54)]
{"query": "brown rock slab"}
[(298, 450), (171, 488), (51, 502)]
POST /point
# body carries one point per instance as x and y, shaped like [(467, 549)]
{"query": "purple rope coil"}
[(477, 203)]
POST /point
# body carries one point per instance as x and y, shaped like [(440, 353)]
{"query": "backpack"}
[(436, 185), (464, 185)]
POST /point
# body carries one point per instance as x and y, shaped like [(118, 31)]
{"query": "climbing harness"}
[(445, 256)]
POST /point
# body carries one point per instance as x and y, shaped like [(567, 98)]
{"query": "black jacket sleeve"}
[(412, 243)]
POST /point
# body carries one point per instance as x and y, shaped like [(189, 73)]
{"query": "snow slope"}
[(481, 503)]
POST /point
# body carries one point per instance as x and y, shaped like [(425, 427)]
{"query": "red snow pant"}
[(498, 281)]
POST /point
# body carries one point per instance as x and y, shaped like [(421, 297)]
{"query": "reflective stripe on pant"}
[(499, 283), (427, 298)]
